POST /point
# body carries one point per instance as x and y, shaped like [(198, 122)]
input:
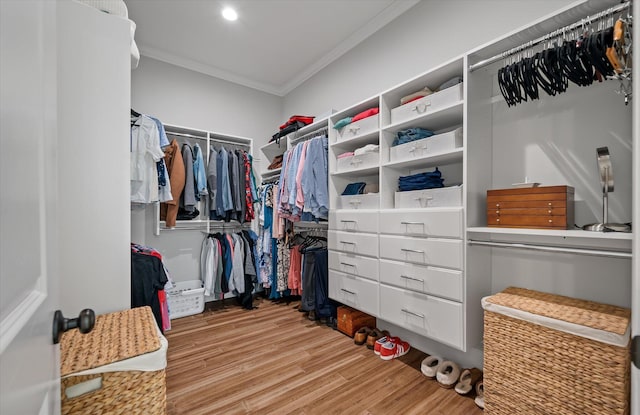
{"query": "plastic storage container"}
[(186, 299)]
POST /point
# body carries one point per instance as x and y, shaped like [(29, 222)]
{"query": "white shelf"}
[(562, 233), (436, 120), (274, 149), (446, 157), (354, 142), (357, 172)]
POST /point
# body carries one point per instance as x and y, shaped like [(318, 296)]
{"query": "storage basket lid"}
[(597, 321), (116, 336)]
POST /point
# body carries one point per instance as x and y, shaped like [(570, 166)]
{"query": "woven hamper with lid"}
[(549, 354), (125, 356)]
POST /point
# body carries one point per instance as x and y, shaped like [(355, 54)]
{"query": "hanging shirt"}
[(188, 198), (224, 202), (236, 279), (315, 186), (199, 172), (212, 180), (145, 152)]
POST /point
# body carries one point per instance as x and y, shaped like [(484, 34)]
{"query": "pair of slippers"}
[(449, 375)]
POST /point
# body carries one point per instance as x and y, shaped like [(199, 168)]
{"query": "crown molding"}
[(387, 15)]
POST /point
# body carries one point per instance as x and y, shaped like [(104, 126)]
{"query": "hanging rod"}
[(185, 135), (313, 133), (532, 247), (530, 44)]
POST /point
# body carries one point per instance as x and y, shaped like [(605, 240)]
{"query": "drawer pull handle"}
[(355, 202), (347, 242), (411, 278), (346, 264), (419, 110), (412, 250), (412, 223), (347, 291), (347, 221), (354, 129), (412, 313)]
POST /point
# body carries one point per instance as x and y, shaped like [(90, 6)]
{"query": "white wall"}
[(430, 33), (186, 98), (93, 159)]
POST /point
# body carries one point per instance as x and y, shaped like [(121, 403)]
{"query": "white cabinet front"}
[(353, 221), (358, 266), (359, 293), (426, 251), (426, 279), (432, 317), (446, 223), (354, 243)]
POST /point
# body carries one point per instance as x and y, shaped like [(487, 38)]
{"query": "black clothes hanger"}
[(134, 113)]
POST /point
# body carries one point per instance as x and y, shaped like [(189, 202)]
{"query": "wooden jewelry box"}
[(547, 207)]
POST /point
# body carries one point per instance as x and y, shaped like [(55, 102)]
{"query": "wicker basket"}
[(548, 354), (95, 379)]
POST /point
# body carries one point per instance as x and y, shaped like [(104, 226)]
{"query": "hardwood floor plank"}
[(273, 360)]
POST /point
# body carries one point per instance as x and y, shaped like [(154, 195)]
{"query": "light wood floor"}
[(272, 360)]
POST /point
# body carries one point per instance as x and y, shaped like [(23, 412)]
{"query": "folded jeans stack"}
[(419, 181), (411, 134)]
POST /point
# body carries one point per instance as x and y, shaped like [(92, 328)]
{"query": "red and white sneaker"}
[(382, 340), (391, 349)]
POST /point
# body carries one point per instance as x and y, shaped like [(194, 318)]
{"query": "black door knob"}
[(85, 322)]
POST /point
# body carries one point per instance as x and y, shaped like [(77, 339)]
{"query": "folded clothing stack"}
[(419, 181), (359, 116), (294, 123), (415, 95), (411, 134), (369, 148)]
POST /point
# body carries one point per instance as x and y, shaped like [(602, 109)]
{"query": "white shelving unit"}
[(207, 140)]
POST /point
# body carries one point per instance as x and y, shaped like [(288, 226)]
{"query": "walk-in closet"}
[(320, 207)]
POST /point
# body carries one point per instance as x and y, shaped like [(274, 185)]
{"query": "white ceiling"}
[(274, 46)]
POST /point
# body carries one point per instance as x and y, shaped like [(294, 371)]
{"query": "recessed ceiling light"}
[(229, 14)]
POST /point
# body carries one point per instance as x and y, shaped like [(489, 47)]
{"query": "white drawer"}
[(426, 251), (358, 162), (438, 143), (358, 293), (365, 201), (441, 197), (354, 243), (361, 221), (358, 128), (442, 222), (429, 280), (355, 265), (428, 104), (429, 316)]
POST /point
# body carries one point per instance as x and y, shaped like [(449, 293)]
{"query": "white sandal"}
[(429, 366), (448, 374)]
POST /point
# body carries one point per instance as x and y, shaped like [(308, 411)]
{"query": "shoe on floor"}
[(468, 380), (429, 366), (373, 336), (361, 335), (382, 340), (392, 349), (480, 394), (448, 374)]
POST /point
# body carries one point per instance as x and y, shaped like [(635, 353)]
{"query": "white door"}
[(29, 373)]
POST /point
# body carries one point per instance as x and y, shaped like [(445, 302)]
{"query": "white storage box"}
[(431, 145), (441, 197), (358, 128), (358, 162), (366, 201), (186, 299), (427, 104)]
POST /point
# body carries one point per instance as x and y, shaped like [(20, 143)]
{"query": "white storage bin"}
[(358, 162), (438, 143), (358, 128), (366, 201), (441, 197), (427, 104), (185, 299)]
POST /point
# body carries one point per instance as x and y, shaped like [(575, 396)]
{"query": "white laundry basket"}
[(185, 299)]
